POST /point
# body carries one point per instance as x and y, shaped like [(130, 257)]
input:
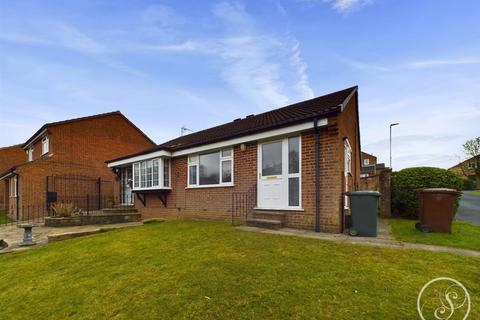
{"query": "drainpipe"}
[(317, 176)]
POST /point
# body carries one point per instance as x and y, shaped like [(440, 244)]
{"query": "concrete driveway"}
[(469, 209)]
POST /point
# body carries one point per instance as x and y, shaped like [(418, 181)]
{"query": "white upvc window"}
[(347, 168), (210, 169), (45, 145), (13, 187), (366, 162), (151, 174), (30, 154)]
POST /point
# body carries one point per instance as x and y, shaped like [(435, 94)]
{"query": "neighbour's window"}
[(147, 174), (166, 172), (30, 154), (366, 162), (45, 145), (213, 168), (13, 186)]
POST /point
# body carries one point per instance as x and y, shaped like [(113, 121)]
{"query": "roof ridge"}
[(260, 114)]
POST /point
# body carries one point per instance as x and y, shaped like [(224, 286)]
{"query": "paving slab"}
[(13, 235), (384, 240)]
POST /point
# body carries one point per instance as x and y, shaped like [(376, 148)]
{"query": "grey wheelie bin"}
[(364, 209)]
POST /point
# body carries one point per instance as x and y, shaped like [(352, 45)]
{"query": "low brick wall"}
[(93, 219)]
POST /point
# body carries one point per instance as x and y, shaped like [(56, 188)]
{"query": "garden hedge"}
[(406, 181)]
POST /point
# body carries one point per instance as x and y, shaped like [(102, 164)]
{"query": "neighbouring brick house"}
[(469, 169), (370, 167), (294, 162), (375, 176), (9, 157), (74, 153)]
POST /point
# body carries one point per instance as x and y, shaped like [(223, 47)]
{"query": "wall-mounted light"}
[(243, 147)]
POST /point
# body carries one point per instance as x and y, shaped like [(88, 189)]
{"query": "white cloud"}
[(443, 62), (346, 5), (261, 67), (54, 34), (341, 5)]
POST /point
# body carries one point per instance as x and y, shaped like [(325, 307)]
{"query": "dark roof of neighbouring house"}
[(296, 113), (58, 123)]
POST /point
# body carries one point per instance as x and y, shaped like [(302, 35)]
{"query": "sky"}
[(169, 64)]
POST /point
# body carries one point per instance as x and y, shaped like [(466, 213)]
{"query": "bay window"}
[(151, 174), (211, 169)]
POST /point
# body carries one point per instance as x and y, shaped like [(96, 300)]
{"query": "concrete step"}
[(269, 215), (264, 223)]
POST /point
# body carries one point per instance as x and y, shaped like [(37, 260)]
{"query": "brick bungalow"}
[(295, 162), (73, 151)]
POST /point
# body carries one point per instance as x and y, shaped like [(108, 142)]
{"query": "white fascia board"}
[(253, 137), (8, 175), (43, 132), (127, 161), (344, 103), (222, 144)]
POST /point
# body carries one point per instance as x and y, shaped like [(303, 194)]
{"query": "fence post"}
[(88, 204), (99, 181)]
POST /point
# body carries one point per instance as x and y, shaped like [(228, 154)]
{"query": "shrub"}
[(63, 209), (468, 184), (406, 181)]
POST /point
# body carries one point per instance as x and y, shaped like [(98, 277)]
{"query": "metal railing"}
[(243, 204), (82, 205)]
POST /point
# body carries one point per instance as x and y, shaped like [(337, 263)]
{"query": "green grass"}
[(464, 235), (476, 193), (205, 270), (4, 218)]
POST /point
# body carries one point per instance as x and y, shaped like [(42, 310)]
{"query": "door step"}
[(264, 223), (269, 215)]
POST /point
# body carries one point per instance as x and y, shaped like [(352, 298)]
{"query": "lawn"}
[(4, 218), (205, 270), (464, 235), (475, 193)]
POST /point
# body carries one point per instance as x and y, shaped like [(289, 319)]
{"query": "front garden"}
[(207, 270)]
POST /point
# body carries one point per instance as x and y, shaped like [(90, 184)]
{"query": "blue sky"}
[(168, 64)]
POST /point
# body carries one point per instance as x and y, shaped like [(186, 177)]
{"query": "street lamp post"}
[(391, 125)]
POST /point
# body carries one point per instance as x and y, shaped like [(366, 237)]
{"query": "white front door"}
[(279, 174)]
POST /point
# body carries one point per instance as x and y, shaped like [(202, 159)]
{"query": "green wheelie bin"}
[(364, 209)]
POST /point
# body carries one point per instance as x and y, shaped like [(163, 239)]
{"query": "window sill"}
[(229, 185), (147, 189), (280, 209)]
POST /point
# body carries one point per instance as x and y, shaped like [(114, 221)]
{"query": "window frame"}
[(45, 145), (193, 160), (13, 192), (137, 183), (366, 162), (30, 154), (347, 169), (294, 175)]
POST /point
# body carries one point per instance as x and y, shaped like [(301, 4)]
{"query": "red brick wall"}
[(372, 159), (80, 148), (9, 156), (215, 203)]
